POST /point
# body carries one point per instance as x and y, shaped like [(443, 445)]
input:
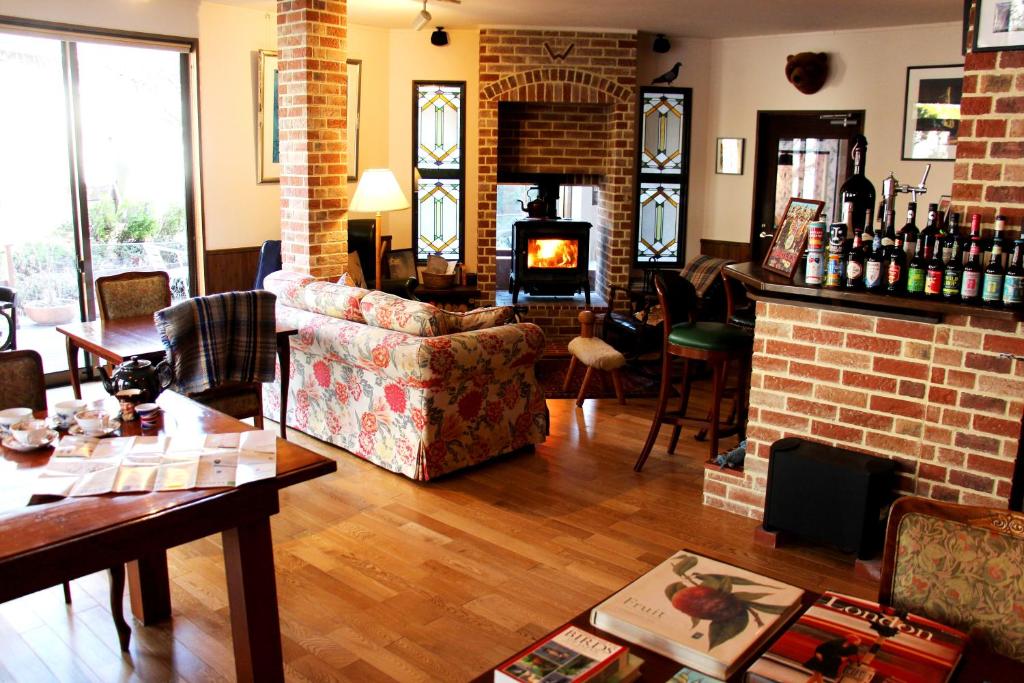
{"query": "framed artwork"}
[(998, 25), (355, 74), (268, 149), (791, 235), (729, 159), (931, 112)]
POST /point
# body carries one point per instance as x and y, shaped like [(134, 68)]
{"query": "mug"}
[(12, 415), (149, 414), (30, 432), (92, 421), (128, 398), (66, 411)]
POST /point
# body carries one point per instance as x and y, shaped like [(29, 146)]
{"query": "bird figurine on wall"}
[(669, 76)]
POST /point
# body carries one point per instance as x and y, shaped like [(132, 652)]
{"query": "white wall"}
[(868, 71), (166, 17)]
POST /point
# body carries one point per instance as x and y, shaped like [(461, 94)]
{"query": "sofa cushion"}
[(288, 287), (477, 319), (390, 312), (334, 300)]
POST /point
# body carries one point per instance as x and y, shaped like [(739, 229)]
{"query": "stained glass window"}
[(440, 173), (664, 156)]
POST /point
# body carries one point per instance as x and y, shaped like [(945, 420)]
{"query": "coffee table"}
[(115, 341), (42, 545)]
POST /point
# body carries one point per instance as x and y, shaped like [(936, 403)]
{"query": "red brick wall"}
[(938, 399), (312, 90), (552, 138)]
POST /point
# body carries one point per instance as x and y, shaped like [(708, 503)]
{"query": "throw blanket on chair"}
[(702, 272), (222, 338)]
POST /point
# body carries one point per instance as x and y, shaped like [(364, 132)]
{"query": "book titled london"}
[(705, 614)]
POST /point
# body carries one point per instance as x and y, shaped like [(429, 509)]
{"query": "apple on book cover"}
[(705, 614), (570, 656)]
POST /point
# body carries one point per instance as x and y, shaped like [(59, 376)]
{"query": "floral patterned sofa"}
[(414, 389)]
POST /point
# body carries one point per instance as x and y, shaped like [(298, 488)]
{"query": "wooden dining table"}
[(44, 542), (116, 341)]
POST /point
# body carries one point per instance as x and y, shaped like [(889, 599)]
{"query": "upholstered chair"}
[(132, 294), (960, 565)]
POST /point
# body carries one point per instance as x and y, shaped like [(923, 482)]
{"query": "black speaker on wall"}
[(829, 495)]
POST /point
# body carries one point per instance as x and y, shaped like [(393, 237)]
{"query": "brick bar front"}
[(936, 397)]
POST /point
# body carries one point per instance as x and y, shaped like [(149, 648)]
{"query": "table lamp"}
[(376, 192)]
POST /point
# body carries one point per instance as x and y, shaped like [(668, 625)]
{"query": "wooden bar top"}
[(763, 284)]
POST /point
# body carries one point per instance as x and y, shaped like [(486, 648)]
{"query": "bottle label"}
[(834, 270), (815, 268), (854, 270), (992, 289), (1013, 289), (872, 274), (970, 284), (951, 283), (915, 281), (933, 283), (893, 275), (887, 241), (947, 254)]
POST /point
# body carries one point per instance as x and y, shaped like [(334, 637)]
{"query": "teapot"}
[(537, 208), (138, 374)]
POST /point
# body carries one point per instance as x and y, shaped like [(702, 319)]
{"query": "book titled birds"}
[(848, 639), (570, 656), (705, 614)]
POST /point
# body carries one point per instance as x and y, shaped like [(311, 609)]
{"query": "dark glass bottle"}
[(874, 270), (934, 274), (970, 283), (975, 236), (857, 195), (997, 246), (917, 268), (931, 235), (889, 233), (1013, 283), (855, 265), (952, 239), (908, 233), (952, 276), (992, 282), (895, 268)]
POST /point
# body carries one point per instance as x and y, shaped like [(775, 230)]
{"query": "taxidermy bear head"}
[(808, 71)]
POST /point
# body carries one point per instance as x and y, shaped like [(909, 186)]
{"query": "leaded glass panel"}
[(439, 112), (662, 133), (660, 204), (438, 217)]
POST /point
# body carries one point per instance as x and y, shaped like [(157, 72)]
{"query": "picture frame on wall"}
[(787, 245), (998, 25), (931, 112), (268, 136), (729, 157)]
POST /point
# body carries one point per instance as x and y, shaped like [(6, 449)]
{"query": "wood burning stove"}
[(550, 257)]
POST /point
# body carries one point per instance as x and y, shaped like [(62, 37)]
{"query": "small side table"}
[(457, 298)]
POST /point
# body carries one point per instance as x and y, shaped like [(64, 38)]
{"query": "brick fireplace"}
[(559, 104)]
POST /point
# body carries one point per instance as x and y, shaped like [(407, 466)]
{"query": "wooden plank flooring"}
[(380, 578)]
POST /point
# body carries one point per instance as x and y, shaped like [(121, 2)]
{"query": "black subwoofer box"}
[(830, 495)]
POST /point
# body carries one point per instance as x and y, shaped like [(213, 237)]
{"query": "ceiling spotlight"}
[(422, 19), (661, 44), (439, 37)]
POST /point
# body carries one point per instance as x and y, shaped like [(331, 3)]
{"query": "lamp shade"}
[(378, 191)]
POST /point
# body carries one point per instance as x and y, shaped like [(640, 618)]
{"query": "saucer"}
[(10, 442), (113, 426)]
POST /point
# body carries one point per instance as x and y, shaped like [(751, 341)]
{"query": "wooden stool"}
[(593, 353)]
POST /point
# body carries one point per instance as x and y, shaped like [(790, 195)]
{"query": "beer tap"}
[(891, 187)]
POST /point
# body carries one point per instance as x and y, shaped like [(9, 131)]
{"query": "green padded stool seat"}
[(718, 345)]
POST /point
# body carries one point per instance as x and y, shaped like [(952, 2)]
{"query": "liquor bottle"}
[(997, 247), (908, 233), (867, 236), (952, 239), (1013, 283), (953, 275), (992, 282), (975, 236), (930, 236), (916, 270), (934, 276), (874, 278), (889, 232), (855, 265), (970, 283), (896, 267), (857, 194)]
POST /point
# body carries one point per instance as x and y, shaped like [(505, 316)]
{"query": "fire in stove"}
[(552, 253)]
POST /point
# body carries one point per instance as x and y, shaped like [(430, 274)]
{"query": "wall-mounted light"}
[(439, 37), (661, 44), (422, 19)]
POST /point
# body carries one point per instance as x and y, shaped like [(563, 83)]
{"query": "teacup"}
[(66, 411), (93, 421), (12, 415), (149, 414), (30, 432)]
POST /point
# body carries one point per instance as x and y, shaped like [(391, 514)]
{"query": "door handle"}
[(766, 234)]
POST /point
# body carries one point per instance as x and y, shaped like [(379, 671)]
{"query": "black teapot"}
[(138, 374)]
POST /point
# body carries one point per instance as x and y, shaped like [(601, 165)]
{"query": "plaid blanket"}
[(222, 338), (702, 271)]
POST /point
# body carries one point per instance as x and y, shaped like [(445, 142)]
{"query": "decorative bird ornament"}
[(669, 76)]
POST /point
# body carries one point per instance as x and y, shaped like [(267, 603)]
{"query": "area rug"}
[(638, 380)]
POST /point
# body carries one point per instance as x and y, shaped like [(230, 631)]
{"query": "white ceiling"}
[(696, 18)]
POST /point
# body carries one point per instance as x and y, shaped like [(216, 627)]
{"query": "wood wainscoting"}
[(230, 270), (734, 251)]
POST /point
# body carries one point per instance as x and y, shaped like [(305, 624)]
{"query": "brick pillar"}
[(312, 91)]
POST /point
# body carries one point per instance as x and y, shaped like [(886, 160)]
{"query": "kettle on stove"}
[(537, 207)]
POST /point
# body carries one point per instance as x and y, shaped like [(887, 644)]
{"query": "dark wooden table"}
[(44, 544), (118, 340), (459, 295)]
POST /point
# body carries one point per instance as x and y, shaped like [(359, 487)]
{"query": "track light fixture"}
[(422, 19), (661, 44), (439, 37)]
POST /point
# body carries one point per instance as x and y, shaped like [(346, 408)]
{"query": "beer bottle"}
[(970, 283), (953, 274), (896, 267), (874, 277), (952, 238), (992, 282), (1013, 283), (931, 235), (916, 269), (909, 231), (855, 265), (934, 275)]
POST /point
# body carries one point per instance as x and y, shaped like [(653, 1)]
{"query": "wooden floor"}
[(380, 578)]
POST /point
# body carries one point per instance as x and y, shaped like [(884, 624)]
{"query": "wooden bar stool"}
[(593, 353), (717, 344)]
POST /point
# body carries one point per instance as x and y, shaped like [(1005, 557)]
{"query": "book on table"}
[(572, 655), (705, 614), (841, 638)]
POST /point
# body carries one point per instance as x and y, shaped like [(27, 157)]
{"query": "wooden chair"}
[(593, 353), (739, 309), (715, 343), (8, 319), (24, 385), (960, 565), (131, 294)]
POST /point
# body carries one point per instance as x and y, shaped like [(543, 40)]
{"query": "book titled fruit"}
[(705, 614), (570, 656), (848, 639)]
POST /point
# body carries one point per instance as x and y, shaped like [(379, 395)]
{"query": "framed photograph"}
[(355, 74), (791, 235), (998, 25), (729, 160), (268, 151), (931, 112)]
